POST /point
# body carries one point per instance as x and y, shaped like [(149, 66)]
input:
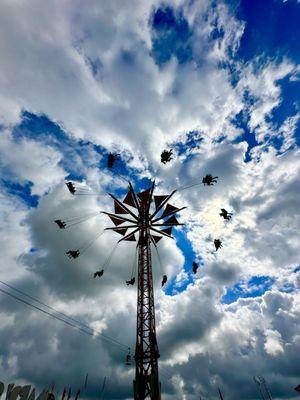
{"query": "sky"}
[(216, 81)]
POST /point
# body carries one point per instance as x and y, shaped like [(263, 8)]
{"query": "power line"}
[(61, 313), (87, 331), (84, 328)]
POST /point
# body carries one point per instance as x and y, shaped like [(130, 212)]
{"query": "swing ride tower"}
[(146, 226)]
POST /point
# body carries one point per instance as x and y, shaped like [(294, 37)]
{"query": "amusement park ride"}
[(144, 218), (149, 224)]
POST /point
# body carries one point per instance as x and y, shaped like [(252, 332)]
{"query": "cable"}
[(89, 243), (122, 177), (58, 312), (52, 315), (102, 389), (82, 191), (86, 327), (157, 172), (43, 304), (92, 242), (78, 217), (133, 270), (89, 194), (110, 256), (105, 337), (159, 260), (68, 223), (166, 371), (180, 189), (79, 221), (191, 182)]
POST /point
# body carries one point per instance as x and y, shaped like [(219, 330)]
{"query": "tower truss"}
[(145, 218)]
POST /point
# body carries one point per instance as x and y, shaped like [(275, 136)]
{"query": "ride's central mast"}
[(146, 382), (145, 222)]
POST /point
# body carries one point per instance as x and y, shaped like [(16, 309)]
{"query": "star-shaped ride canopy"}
[(144, 211)]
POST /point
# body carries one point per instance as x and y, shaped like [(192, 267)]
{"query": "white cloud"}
[(129, 103), (130, 98), (28, 160), (15, 239), (260, 79), (273, 343)]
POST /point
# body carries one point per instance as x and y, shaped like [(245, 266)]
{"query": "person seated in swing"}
[(98, 273), (73, 253), (50, 396), (77, 394), (131, 281), (164, 280), (71, 187), (61, 224), (112, 158), (218, 244), (195, 267), (128, 357), (166, 156), (209, 180), (225, 214)]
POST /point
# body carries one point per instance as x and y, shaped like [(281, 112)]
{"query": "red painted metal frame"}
[(146, 383), (146, 352)]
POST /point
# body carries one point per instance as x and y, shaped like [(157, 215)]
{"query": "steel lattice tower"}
[(150, 225)]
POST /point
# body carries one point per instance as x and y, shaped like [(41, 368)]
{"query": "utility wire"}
[(59, 312), (166, 371), (85, 329)]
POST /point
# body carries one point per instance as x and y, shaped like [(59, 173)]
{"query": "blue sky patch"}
[(41, 129), (38, 127), (21, 191), (192, 141), (297, 269), (189, 256), (256, 286), (272, 28), (241, 121), (77, 155), (170, 36), (290, 101)]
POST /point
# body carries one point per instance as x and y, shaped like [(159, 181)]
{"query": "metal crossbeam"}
[(146, 383)]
